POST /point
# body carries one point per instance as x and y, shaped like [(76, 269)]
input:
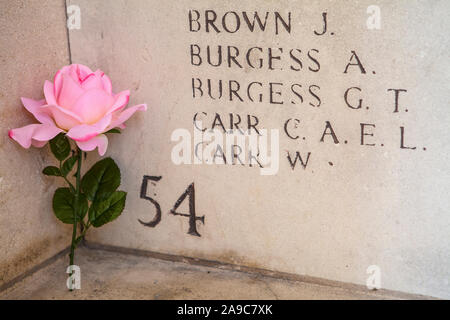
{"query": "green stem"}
[(77, 196), (72, 188), (86, 227), (70, 185)]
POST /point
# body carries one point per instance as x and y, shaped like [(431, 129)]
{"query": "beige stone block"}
[(33, 46)]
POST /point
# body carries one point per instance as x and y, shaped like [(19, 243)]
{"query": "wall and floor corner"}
[(352, 205)]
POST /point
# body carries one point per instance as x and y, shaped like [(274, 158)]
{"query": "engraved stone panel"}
[(358, 94)]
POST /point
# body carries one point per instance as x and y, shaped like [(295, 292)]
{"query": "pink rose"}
[(80, 103)]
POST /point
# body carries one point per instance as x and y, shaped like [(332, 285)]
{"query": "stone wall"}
[(33, 45), (357, 185), (353, 205)]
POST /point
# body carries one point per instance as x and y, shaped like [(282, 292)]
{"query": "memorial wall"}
[(353, 98), (306, 137)]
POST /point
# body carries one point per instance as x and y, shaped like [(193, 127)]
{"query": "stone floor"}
[(112, 275)]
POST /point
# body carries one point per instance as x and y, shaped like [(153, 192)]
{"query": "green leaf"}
[(68, 165), (64, 205), (101, 180), (60, 146), (114, 130), (51, 171), (107, 210)]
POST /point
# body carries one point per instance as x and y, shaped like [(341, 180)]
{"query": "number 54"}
[(189, 192)]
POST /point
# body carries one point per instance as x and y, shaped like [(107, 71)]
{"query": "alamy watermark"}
[(373, 282), (74, 280), (259, 148), (374, 20), (73, 17)]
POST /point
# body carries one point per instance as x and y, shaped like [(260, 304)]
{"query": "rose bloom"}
[(79, 103)]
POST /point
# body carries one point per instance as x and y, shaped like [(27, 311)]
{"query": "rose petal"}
[(49, 92), (57, 80), (64, 118), (125, 115), (69, 93), (82, 71), (93, 81), (93, 105), (36, 134), (35, 108), (85, 132), (121, 100), (107, 85), (78, 72), (100, 141)]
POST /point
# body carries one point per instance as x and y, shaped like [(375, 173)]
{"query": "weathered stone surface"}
[(33, 46), (354, 205), (111, 275)]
